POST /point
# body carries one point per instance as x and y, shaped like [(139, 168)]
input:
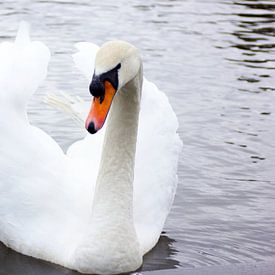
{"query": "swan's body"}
[(72, 209)]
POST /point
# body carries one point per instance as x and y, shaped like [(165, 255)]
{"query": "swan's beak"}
[(100, 108)]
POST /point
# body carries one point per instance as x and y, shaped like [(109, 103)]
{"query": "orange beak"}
[(99, 109)]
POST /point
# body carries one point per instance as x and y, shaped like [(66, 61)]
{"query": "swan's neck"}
[(114, 190), (111, 233)]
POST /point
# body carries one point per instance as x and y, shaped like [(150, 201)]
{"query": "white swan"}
[(65, 208)]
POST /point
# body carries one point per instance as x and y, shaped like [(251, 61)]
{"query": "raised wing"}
[(84, 59)]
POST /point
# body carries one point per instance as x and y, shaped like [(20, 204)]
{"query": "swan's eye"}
[(111, 76)]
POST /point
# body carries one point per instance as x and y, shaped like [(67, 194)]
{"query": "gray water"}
[(215, 60)]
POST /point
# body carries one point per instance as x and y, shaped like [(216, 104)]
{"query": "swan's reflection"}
[(15, 263), (161, 257)]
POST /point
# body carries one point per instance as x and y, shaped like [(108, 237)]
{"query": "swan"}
[(102, 205)]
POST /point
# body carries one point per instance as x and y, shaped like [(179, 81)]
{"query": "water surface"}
[(215, 60)]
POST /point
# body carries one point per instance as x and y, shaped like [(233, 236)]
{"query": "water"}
[(215, 60)]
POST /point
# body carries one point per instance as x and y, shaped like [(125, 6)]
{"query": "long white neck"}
[(114, 190), (111, 230)]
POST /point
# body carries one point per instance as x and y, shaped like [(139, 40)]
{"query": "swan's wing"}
[(158, 148), (39, 186), (84, 59), (76, 107), (88, 149), (23, 66)]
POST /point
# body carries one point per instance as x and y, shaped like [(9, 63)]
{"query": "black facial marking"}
[(111, 76), (101, 98), (97, 85)]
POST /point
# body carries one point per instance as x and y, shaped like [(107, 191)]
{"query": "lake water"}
[(216, 62)]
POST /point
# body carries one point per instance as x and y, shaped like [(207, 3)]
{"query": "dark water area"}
[(215, 60)]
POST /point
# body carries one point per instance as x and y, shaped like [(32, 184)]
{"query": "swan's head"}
[(116, 63)]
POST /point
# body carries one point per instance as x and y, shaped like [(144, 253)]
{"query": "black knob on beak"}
[(96, 87)]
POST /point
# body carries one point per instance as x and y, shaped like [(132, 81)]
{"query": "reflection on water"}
[(162, 256), (17, 264), (254, 30), (215, 60)]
